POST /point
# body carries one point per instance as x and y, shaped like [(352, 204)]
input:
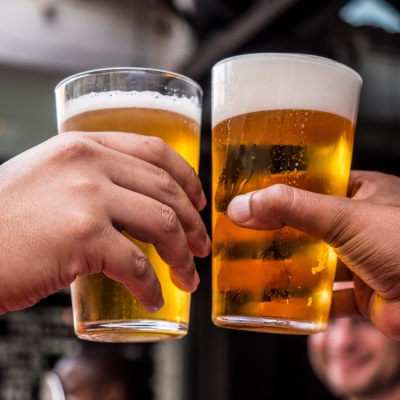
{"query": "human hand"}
[(64, 203), (363, 229)]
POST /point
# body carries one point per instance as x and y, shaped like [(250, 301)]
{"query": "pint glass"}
[(147, 102), (277, 118)]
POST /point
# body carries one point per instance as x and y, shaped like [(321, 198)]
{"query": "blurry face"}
[(354, 358)]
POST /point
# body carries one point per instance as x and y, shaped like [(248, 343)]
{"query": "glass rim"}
[(155, 71), (293, 56)]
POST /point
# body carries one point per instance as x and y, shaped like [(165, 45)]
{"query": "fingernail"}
[(156, 308), (196, 279), (239, 209), (203, 200), (208, 244), (161, 303)]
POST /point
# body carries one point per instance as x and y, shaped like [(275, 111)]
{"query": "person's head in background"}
[(355, 360), (98, 375)]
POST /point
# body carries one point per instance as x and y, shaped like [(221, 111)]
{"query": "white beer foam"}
[(188, 107), (283, 81)]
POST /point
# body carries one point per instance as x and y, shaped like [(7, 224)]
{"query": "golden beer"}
[(276, 281), (104, 310)]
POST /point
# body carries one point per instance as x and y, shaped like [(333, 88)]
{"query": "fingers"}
[(154, 209), (150, 221), (126, 263), (383, 313), (343, 273), (376, 187), (144, 178), (351, 299), (156, 152), (344, 304), (128, 170), (386, 316)]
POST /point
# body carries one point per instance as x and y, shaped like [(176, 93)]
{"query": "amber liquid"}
[(104, 310), (275, 281)]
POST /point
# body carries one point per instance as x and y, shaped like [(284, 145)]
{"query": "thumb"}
[(324, 216)]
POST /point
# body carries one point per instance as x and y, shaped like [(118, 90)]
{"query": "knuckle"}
[(157, 146), (142, 270), (86, 187), (169, 185), (169, 220), (273, 198), (84, 225), (279, 190), (74, 148)]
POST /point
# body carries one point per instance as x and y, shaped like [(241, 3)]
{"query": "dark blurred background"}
[(43, 41)]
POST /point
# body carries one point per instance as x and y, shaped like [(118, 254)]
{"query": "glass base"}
[(134, 331), (269, 325)]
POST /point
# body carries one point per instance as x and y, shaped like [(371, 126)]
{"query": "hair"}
[(110, 364)]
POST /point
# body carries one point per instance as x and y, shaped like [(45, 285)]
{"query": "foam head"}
[(273, 81), (188, 107), (127, 88)]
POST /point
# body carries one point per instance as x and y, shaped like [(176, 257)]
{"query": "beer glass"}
[(147, 102), (277, 118)]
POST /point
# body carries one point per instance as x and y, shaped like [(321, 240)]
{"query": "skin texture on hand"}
[(64, 203), (363, 229)]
